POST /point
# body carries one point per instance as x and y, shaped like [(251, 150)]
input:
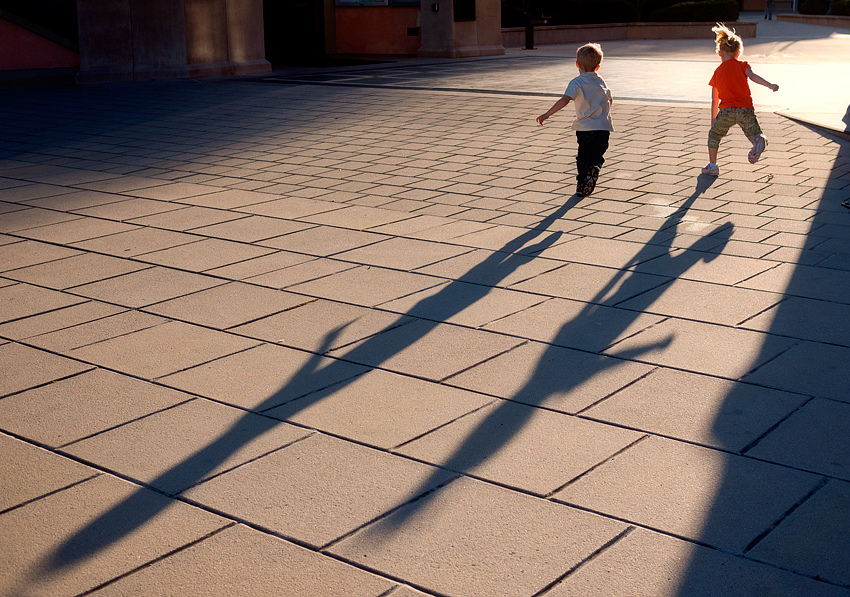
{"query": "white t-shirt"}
[(592, 99)]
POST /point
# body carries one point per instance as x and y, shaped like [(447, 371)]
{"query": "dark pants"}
[(591, 148)]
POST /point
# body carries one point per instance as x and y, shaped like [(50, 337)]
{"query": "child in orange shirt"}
[(731, 102)]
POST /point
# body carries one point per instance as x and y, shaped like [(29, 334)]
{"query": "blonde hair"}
[(589, 56), (727, 40)]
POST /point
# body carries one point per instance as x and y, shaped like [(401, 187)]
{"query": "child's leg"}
[(721, 125), (592, 146), (750, 125)]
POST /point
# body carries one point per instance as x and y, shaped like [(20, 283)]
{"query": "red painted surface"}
[(23, 50), (376, 29)]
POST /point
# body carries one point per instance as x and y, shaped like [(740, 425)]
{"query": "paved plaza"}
[(349, 332)]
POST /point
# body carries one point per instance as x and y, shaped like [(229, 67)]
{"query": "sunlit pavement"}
[(349, 332)]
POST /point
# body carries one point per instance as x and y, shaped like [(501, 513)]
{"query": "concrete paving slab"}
[(52, 321), (29, 472), (713, 303), (574, 324), (520, 446), (253, 229), (677, 488), (489, 268), (157, 351), (75, 271), (206, 254), (278, 569), (324, 241), (175, 190), (75, 230), (146, 287), (71, 409), (427, 349), (356, 217), (712, 268), (186, 218), (813, 438), (307, 271), (32, 217), (319, 325), (809, 282), (177, 448), (814, 538), (259, 265), (137, 242), (25, 300), (75, 540), (591, 283), (464, 304), (697, 408), (467, 539), (228, 305), (360, 285), (807, 319), (401, 253), (551, 377), (808, 368), (263, 377), (229, 199), (648, 563), (317, 490), (702, 348), (21, 193), (97, 330), (379, 408), (122, 184), (291, 207), (128, 209)]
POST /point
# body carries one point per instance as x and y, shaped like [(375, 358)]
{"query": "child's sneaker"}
[(759, 143), (586, 186), (711, 170)]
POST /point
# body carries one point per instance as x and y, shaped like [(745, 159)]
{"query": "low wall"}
[(564, 34), (824, 20)]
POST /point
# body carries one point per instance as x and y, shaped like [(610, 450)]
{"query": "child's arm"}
[(757, 79), (715, 102), (560, 104)]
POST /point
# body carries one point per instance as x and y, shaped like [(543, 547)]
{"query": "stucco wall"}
[(376, 30), (23, 50)]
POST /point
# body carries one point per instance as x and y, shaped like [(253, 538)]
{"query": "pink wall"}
[(376, 30), (23, 50)]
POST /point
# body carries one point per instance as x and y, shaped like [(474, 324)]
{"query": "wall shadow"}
[(701, 571)]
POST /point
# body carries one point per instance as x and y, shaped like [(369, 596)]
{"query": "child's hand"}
[(541, 118), (775, 87)]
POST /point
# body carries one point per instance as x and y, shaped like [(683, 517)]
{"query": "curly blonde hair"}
[(727, 40)]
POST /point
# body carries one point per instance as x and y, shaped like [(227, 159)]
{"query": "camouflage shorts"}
[(726, 117)]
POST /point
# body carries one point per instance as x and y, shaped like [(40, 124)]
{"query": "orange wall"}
[(376, 29), (23, 50)]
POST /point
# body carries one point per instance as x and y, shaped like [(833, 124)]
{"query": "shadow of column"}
[(808, 541)]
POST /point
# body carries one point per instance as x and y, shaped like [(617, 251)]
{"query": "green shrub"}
[(814, 7), (714, 11), (841, 8)]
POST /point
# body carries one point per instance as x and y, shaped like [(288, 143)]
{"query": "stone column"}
[(123, 40), (459, 31)]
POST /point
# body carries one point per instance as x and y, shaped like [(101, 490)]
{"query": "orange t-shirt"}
[(730, 80)]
